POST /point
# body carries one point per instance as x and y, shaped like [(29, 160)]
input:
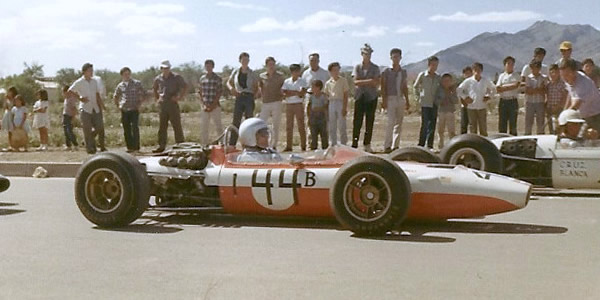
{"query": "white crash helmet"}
[(248, 130), (568, 115)]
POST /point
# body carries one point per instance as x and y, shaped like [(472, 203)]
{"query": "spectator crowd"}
[(318, 99)]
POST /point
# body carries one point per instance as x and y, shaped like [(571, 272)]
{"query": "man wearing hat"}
[(566, 49), (88, 90), (584, 95), (169, 88), (366, 80)]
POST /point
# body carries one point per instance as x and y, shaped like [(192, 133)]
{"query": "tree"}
[(25, 82), (191, 72), (66, 76), (35, 70)]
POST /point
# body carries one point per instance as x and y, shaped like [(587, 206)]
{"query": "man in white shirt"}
[(476, 91), (508, 106), (538, 55), (315, 72), (91, 105)]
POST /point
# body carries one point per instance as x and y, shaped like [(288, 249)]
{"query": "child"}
[(535, 97), (69, 112), (294, 89), (19, 117), (41, 119), (337, 90), (556, 96), (446, 101), (8, 104), (316, 110)]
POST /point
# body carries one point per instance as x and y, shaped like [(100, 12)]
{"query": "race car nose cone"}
[(4, 184)]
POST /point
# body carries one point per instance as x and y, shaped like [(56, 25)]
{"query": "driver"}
[(572, 128), (254, 136)]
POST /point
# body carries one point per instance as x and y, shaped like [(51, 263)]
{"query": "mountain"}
[(490, 48)]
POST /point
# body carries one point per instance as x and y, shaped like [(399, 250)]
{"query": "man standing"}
[(366, 79), (129, 96), (315, 72), (426, 86), (538, 55), (394, 93), (169, 88), (584, 95), (243, 84), (476, 91), (270, 85), (566, 50), (337, 90), (464, 111), (508, 107), (209, 92), (91, 106)]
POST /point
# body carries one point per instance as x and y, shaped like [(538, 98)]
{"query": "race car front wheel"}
[(112, 189), (416, 154), (473, 151), (370, 195)]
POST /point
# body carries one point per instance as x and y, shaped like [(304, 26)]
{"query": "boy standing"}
[(317, 118), (535, 97), (508, 107), (476, 91), (426, 86), (556, 97), (446, 101), (394, 92), (270, 85), (337, 90), (69, 112), (294, 89)]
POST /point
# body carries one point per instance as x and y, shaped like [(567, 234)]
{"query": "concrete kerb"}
[(26, 169)]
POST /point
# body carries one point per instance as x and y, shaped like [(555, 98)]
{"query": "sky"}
[(139, 34)]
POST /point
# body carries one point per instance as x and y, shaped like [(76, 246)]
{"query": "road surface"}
[(549, 250)]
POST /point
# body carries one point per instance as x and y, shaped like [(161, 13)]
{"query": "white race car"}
[(538, 159), (366, 193)]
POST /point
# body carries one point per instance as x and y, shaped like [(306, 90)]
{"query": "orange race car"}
[(366, 193)]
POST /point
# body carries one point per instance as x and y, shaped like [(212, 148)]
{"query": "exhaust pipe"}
[(4, 183)]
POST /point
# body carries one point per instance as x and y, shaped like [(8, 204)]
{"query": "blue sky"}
[(139, 34)]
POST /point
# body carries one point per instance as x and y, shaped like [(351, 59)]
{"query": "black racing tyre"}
[(473, 151), (4, 183), (415, 153), (112, 189), (370, 195), (498, 135)]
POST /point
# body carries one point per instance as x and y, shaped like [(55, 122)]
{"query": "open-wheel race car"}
[(366, 193), (539, 159)]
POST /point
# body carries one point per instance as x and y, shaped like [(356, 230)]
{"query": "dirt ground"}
[(410, 135)]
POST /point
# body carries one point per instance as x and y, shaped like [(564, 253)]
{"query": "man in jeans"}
[(508, 107), (270, 85), (243, 84), (426, 86), (394, 93), (91, 106), (209, 91), (366, 80), (169, 88), (129, 96)]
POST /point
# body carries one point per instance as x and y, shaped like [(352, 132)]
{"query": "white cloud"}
[(493, 16), (234, 5), (155, 26), (424, 44), (279, 42), (155, 44), (408, 29), (372, 31), (320, 20)]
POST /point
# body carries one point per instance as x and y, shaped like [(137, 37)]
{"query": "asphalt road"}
[(549, 250)]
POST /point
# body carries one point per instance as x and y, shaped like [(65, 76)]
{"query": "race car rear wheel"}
[(415, 153), (112, 189), (370, 195), (473, 151), (499, 135)]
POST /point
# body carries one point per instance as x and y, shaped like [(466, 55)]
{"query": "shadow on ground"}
[(9, 211), (411, 231)]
